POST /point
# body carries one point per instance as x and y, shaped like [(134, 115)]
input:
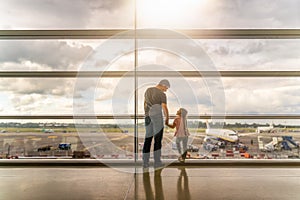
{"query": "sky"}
[(29, 96)]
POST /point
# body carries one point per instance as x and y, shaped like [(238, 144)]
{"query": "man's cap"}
[(164, 82)]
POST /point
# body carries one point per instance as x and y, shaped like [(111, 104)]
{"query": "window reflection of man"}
[(157, 185)]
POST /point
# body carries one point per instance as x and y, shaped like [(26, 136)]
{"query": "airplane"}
[(268, 129), (225, 135)]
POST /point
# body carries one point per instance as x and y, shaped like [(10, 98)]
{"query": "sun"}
[(166, 13)]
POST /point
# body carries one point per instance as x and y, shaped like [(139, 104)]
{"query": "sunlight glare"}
[(166, 12)]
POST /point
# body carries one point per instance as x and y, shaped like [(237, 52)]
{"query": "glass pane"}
[(65, 139), (36, 96), (254, 54), (64, 14), (105, 140), (49, 55), (65, 55), (72, 55), (177, 14), (59, 96), (262, 95)]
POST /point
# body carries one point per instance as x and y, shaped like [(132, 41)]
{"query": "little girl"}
[(181, 132)]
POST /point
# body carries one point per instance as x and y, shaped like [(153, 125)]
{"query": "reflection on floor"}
[(168, 183), (158, 192)]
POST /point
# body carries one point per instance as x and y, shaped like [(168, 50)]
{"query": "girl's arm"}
[(172, 125)]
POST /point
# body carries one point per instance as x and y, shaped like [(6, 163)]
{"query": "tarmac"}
[(266, 179)]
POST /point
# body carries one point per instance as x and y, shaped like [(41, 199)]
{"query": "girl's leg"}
[(184, 145), (180, 151), (178, 145)]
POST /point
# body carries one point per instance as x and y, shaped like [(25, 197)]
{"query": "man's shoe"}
[(180, 158), (146, 165), (146, 170)]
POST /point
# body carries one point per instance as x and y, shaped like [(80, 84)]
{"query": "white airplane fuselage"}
[(223, 134), (261, 129)]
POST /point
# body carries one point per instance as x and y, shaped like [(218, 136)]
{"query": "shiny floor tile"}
[(169, 183)]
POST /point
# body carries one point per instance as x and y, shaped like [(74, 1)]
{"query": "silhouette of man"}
[(155, 101)]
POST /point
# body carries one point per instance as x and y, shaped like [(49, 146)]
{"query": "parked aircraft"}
[(262, 129), (220, 134)]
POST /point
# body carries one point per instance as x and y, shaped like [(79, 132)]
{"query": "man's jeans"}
[(154, 128)]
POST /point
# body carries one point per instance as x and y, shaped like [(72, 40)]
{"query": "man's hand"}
[(166, 112), (167, 121)]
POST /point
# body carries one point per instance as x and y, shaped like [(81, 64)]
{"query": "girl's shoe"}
[(180, 159)]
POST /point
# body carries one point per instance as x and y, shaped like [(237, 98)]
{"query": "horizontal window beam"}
[(153, 34), (59, 34), (116, 74), (267, 116), (71, 163)]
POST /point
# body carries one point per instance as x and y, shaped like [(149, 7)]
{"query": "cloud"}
[(107, 4), (25, 102), (261, 95), (226, 14), (253, 54), (65, 14), (37, 86), (41, 55), (56, 55), (253, 14), (39, 104)]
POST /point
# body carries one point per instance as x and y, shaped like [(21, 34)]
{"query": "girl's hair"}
[(184, 113)]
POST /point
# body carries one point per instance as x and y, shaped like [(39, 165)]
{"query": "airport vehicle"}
[(48, 130), (190, 147), (45, 148), (81, 154), (278, 143), (219, 134), (61, 146), (241, 147), (64, 146), (268, 129), (210, 147), (288, 143)]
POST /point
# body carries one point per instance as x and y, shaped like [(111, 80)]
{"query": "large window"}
[(75, 73)]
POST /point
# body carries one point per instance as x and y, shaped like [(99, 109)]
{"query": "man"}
[(155, 102)]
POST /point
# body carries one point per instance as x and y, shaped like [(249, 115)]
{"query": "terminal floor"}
[(88, 183)]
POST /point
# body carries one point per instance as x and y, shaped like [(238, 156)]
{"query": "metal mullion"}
[(60, 34), (116, 74), (141, 116), (242, 33), (152, 34)]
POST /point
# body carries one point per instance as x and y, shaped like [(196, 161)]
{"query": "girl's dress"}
[(181, 135)]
